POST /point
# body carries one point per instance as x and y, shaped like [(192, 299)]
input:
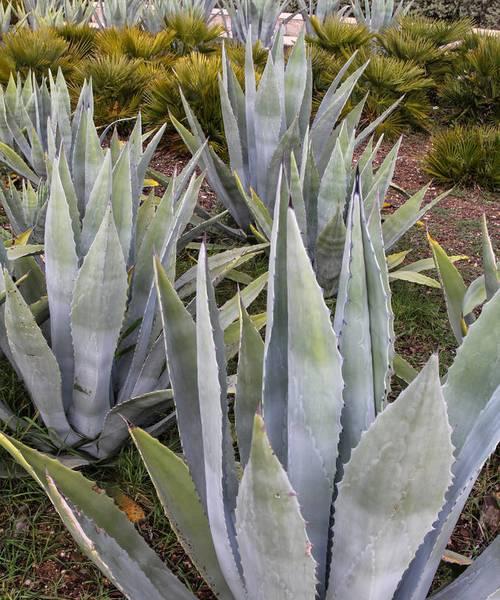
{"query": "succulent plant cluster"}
[(298, 477)]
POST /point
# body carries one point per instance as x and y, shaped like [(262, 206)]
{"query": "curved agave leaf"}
[(181, 504), (363, 324), (101, 529), (96, 319), (405, 477), (274, 548)]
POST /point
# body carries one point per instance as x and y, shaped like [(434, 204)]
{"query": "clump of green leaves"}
[(24, 51), (466, 155), (339, 36), (473, 89)]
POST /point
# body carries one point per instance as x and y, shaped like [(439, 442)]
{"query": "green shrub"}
[(119, 85), (438, 32), (193, 34), (337, 36), (484, 13), (466, 155), (197, 76), (37, 51), (136, 44), (473, 90), (81, 37)]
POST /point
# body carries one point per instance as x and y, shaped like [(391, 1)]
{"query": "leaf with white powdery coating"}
[(275, 551), (314, 395), (405, 476), (176, 491), (98, 307), (101, 529)]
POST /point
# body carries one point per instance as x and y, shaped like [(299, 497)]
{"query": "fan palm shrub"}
[(158, 12), (317, 444), (193, 34), (119, 85), (79, 37), (24, 51), (337, 36), (472, 90), (440, 33), (197, 76), (465, 155)]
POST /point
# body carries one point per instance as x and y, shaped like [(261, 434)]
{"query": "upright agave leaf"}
[(363, 324), (405, 477), (379, 14), (254, 20)]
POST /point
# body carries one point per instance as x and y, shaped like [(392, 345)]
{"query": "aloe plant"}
[(379, 14), (462, 301), (254, 20), (313, 423)]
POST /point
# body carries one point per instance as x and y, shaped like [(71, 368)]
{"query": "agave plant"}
[(55, 13), (322, 9), (379, 14), (268, 125), (119, 13), (36, 119), (5, 17), (312, 424), (254, 19), (103, 360)]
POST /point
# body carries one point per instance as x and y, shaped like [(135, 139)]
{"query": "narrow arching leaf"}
[(275, 550), (98, 306), (176, 491), (405, 477), (100, 528), (472, 379), (35, 362), (314, 396), (249, 387)]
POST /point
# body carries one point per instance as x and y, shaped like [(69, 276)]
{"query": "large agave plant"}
[(379, 14), (312, 424), (269, 125), (36, 119), (256, 20), (119, 13), (103, 357)]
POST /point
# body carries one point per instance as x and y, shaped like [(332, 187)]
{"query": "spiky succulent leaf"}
[(98, 307), (405, 477), (275, 550), (101, 529), (176, 491)]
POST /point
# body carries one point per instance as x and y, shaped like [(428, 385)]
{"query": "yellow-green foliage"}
[(37, 51), (196, 75), (466, 155), (440, 33), (134, 43), (119, 85), (473, 89), (193, 34), (337, 36)]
